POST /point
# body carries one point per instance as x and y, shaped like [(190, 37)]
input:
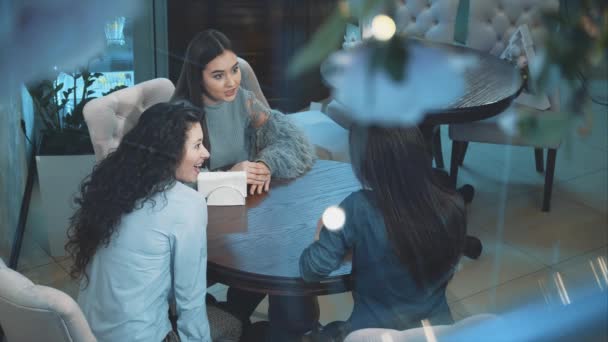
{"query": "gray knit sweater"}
[(245, 129)]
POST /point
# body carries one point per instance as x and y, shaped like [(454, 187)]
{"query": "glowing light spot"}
[(333, 218), (383, 27)]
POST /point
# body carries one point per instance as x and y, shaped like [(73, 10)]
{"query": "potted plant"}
[(64, 132), (64, 155)]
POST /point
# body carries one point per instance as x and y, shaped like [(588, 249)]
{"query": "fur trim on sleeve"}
[(282, 146)]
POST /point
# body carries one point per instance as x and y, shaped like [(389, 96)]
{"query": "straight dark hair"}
[(424, 221), (202, 49)]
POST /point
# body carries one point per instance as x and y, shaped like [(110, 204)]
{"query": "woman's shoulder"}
[(184, 196), (358, 198)]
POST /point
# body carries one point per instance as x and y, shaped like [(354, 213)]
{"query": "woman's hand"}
[(258, 175)]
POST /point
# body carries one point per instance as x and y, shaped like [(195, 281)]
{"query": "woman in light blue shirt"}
[(138, 238)]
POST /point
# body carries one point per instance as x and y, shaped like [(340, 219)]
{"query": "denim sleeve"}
[(190, 274), (325, 255)]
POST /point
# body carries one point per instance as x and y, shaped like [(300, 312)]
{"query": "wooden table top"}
[(492, 84), (257, 247)]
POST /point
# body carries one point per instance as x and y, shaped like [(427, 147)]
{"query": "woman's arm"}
[(277, 142), (189, 252), (327, 253)]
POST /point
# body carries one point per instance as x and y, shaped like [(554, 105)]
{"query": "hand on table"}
[(258, 175)]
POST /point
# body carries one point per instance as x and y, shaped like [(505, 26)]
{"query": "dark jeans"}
[(291, 317), (242, 303)]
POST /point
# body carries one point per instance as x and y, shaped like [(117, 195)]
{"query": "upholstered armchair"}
[(30, 312), (490, 26), (433, 20), (110, 117)]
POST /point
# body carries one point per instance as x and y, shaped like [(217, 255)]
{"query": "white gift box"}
[(223, 188)]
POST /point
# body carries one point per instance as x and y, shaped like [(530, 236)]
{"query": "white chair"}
[(468, 329), (490, 25), (30, 312), (108, 118)]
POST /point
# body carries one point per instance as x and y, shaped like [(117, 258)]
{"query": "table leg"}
[(292, 316)]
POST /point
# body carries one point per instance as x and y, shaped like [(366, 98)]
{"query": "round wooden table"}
[(257, 247), (491, 85)]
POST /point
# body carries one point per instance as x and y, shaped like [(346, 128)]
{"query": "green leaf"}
[(323, 43)]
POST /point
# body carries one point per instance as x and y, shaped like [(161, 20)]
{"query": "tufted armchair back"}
[(492, 22), (429, 19), (110, 117)]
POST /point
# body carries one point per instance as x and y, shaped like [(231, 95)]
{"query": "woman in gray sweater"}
[(243, 134)]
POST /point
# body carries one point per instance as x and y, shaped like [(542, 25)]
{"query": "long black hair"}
[(143, 165), (424, 221), (202, 49)]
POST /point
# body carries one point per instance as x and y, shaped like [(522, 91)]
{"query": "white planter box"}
[(52, 204)]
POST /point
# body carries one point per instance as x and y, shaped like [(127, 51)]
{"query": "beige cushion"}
[(441, 332), (110, 117), (429, 19), (30, 312), (329, 138)]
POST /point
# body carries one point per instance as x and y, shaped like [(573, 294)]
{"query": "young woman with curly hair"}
[(138, 238)]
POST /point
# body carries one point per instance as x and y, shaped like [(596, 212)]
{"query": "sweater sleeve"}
[(277, 142), (325, 255)]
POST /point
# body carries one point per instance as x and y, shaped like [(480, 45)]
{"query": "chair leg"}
[(463, 151), (538, 158), (551, 155), (457, 146), (437, 152)]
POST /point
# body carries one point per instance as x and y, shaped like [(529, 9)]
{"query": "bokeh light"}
[(333, 218), (383, 27)]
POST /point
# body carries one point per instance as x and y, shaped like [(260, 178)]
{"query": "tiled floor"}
[(524, 248)]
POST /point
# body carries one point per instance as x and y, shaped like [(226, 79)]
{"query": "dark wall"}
[(266, 33)]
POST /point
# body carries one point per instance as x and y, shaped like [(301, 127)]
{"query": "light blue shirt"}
[(156, 252)]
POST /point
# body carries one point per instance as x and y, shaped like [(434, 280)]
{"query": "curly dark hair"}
[(143, 165)]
